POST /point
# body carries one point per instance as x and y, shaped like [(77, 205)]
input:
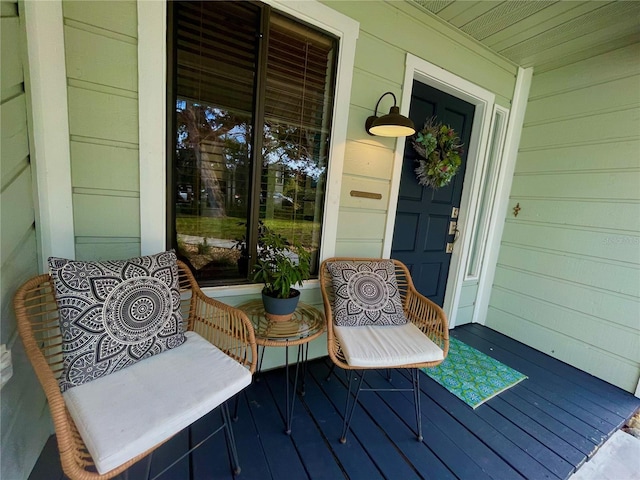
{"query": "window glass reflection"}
[(212, 179)]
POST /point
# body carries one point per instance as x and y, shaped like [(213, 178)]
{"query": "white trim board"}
[(49, 115), (430, 74), (152, 128), (503, 189), (488, 188), (152, 108)]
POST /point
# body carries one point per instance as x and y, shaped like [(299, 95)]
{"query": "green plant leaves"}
[(280, 264), (438, 145)]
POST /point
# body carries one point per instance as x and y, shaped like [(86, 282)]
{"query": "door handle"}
[(456, 234), (453, 230)]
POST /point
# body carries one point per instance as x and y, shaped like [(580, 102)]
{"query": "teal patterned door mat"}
[(471, 375)]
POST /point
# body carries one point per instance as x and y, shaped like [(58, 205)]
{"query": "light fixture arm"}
[(380, 99)]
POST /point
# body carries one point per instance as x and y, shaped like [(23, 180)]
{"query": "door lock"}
[(453, 228), (449, 248)]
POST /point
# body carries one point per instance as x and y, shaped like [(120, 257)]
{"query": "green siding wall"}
[(101, 61), (568, 276), (25, 422)]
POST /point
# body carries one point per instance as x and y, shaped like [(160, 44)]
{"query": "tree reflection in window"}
[(215, 162)]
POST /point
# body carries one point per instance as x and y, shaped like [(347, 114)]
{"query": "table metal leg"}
[(291, 394), (295, 384), (289, 404)]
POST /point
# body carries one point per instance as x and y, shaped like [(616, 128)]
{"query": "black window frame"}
[(259, 97)]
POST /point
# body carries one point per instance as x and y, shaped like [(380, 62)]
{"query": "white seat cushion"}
[(386, 346), (128, 412)]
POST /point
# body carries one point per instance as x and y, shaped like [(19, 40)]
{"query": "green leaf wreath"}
[(439, 147)]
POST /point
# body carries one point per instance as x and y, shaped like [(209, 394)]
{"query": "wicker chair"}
[(428, 317), (225, 327)]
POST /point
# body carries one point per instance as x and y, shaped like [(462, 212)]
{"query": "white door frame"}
[(434, 76)]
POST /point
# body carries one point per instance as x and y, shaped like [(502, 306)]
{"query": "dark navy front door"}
[(424, 215)]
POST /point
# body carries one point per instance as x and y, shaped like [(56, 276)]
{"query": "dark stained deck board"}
[(461, 449), (48, 464), (557, 412), (248, 441), (616, 401), (547, 458), (165, 456), (311, 445), (544, 427), (424, 460), (576, 400), (547, 380), (381, 450), (492, 436), (548, 438), (541, 412), (279, 450), (353, 458)]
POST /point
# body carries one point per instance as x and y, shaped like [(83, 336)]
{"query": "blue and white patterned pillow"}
[(115, 313), (366, 293)]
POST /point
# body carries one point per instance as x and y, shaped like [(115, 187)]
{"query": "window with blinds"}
[(251, 96)]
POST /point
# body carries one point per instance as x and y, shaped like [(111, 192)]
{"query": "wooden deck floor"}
[(544, 427)]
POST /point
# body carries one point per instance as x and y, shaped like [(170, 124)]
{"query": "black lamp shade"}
[(391, 125)]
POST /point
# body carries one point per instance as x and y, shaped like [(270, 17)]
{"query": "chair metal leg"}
[(348, 409), (415, 374), (236, 407), (147, 475), (305, 363), (259, 366), (229, 437), (191, 448)]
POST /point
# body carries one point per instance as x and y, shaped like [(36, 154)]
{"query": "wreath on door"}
[(439, 149)]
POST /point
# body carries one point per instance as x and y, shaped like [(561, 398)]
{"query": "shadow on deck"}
[(544, 427)]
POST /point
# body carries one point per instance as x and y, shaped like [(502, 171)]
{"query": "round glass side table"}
[(307, 324)]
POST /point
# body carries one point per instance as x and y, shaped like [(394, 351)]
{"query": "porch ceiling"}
[(543, 34)]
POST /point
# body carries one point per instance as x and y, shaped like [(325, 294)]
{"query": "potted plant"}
[(280, 266)]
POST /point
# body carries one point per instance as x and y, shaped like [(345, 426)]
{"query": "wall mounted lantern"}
[(391, 125)]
